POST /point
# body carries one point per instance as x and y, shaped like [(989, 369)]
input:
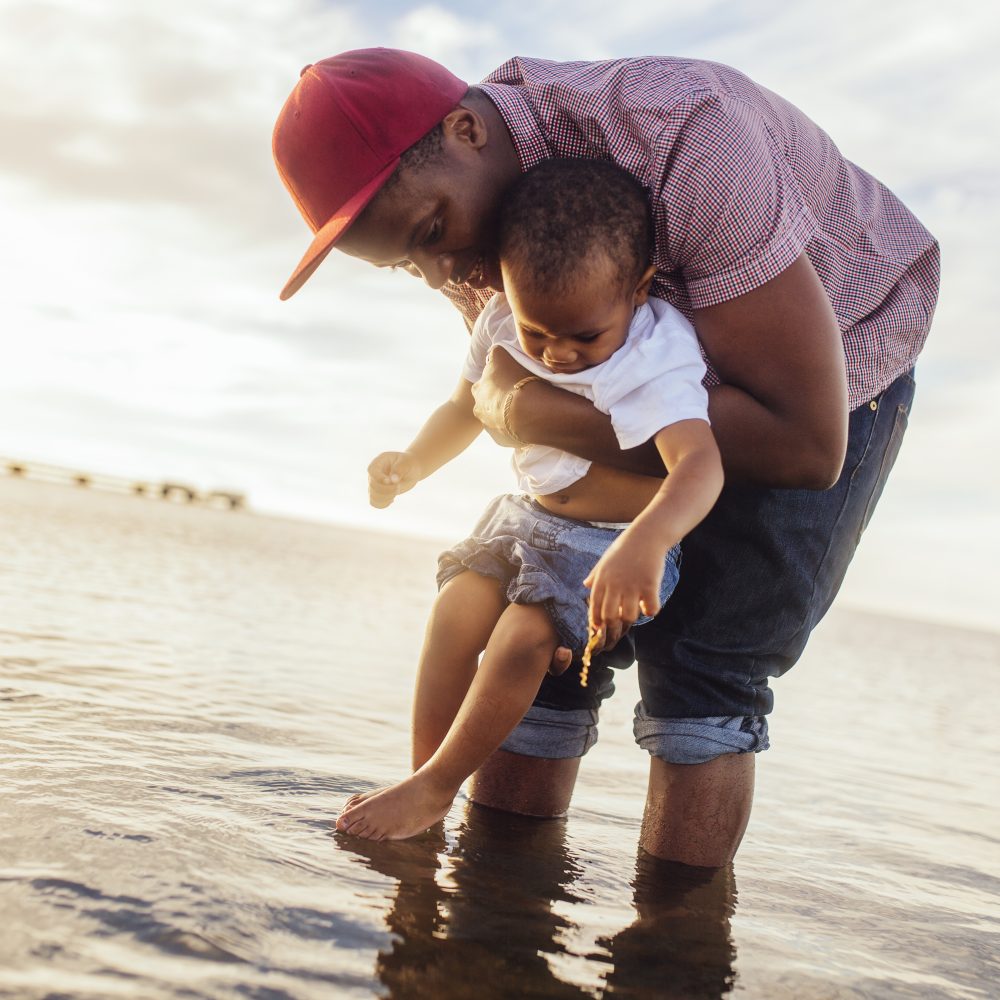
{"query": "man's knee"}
[(697, 741), (530, 786)]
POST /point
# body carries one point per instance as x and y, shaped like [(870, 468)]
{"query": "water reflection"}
[(680, 945), (477, 921), (477, 918)]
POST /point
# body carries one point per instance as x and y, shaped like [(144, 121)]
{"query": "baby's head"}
[(575, 241)]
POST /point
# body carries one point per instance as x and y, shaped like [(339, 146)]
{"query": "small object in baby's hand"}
[(596, 635)]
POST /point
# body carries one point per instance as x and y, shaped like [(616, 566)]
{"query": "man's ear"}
[(465, 126), (642, 288)]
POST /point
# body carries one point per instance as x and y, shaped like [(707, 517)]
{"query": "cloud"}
[(458, 42), (147, 234)]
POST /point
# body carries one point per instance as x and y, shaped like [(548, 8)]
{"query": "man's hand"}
[(562, 660), (391, 473), (624, 585), (499, 376)]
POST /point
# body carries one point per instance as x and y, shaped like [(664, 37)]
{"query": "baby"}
[(582, 547)]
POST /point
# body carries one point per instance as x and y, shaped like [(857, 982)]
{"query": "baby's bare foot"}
[(398, 812)]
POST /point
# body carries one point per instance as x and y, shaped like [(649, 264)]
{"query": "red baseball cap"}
[(339, 136)]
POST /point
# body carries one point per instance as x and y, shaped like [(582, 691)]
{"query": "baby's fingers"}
[(630, 609), (380, 492), (610, 609), (380, 500), (650, 605)]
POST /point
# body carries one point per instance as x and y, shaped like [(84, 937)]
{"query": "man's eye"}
[(433, 234)]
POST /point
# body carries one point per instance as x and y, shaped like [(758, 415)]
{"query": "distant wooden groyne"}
[(171, 491)]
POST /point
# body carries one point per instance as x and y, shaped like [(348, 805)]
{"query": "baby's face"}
[(576, 330)]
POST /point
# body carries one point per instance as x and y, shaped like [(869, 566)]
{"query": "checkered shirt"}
[(741, 183)]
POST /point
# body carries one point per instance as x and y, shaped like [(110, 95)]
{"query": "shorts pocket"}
[(888, 460), (545, 536)]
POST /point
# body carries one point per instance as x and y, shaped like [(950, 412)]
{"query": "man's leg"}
[(758, 574), (531, 786), (697, 813)]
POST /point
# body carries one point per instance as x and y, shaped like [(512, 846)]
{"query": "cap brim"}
[(326, 237)]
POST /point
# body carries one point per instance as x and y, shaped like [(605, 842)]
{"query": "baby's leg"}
[(461, 623), (517, 656), (463, 617)]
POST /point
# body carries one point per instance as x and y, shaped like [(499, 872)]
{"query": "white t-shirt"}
[(651, 381)]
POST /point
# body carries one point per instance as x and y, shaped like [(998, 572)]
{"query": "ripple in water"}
[(182, 714)]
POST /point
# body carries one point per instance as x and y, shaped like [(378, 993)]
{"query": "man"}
[(811, 288)]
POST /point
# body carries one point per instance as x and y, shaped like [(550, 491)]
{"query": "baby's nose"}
[(561, 354)]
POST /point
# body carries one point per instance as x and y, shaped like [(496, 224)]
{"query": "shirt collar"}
[(521, 121)]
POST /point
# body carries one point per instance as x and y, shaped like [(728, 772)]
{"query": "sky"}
[(146, 237)]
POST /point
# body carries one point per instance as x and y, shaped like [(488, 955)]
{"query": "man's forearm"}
[(543, 414), (763, 448), (758, 447)]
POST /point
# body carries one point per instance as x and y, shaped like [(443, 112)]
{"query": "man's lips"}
[(477, 276)]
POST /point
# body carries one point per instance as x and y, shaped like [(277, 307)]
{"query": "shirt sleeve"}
[(470, 302), (729, 211)]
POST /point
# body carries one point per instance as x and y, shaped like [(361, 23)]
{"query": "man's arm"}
[(780, 418)]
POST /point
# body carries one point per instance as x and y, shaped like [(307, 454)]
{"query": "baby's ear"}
[(642, 288)]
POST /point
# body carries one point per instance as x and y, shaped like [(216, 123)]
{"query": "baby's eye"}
[(586, 338)]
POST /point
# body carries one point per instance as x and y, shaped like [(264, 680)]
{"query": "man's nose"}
[(435, 269)]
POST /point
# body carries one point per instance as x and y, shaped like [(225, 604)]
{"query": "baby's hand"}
[(624, 585), (391, 473)]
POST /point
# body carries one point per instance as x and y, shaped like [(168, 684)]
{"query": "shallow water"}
[(187, 695)]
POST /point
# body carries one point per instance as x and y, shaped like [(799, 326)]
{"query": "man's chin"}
[(485, 276), (493, 277)]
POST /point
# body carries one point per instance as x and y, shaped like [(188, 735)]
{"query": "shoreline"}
[(432, 544)]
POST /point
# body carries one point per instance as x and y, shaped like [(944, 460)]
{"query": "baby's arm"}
[(449, 430), (626, 580)]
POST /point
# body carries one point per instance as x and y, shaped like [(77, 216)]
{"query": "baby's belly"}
[(604, 494)]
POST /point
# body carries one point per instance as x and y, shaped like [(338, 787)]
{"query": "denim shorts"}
[(759, 573), (541, 558)]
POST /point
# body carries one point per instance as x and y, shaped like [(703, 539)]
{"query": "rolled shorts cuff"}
[(697, 741), (547, 732)]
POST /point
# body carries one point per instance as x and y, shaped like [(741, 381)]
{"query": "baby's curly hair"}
[(563, 212)]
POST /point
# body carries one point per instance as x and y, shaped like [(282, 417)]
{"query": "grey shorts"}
[(541, 558)]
